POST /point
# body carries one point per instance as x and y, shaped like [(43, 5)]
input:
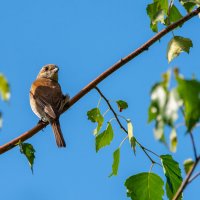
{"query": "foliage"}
[(105, 137), (167, 104), (4, 92), (145, 186), (4, 88), (122, 105), (28, 150), (172, 173), (188, 165), (116, 160)]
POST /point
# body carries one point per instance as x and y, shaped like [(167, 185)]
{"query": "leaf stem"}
[(193, 177), (99, 102), (144, 149), (152, 164), (123, 141), (106, 112)]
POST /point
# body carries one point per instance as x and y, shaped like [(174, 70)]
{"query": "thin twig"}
[(99, 102), (194, 177), (193, 145), (152, 164), (186, 181), (28, 134), (122, 127), (109, 105), (106, 112), (123, 141), (147, 149)]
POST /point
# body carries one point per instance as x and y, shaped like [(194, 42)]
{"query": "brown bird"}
[(47, 100)]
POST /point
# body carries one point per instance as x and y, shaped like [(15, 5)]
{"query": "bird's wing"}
[(49, 97)]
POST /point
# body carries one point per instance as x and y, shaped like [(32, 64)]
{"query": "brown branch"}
[(100, 78), (144, 149), (194, 177), (193, 145), (187, 180)]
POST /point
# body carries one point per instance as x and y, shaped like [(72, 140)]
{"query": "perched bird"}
[(47, 100)]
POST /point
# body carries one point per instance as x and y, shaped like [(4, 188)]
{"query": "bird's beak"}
[(56, 70)]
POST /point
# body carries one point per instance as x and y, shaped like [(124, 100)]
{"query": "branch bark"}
[(186, 181), (100, 78)]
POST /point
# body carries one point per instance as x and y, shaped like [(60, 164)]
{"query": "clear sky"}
[(83, 38)]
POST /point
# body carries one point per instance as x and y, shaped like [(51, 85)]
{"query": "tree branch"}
[(194, 177), (193, 145), (100, 78), (187, 180), (144, 149)]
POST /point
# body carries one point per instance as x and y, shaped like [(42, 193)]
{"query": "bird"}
[(47, 100)]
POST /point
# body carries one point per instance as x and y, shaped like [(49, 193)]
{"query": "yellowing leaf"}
[(130, 129), (4, 88), (177, 45), (188, 164), (173, 140), (130, 135)]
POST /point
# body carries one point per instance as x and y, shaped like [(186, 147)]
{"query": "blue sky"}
[(83, 38)]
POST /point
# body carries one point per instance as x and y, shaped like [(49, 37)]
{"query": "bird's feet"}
[(42, 122)]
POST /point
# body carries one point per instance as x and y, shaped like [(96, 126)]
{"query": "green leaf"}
[(156, 14), (4, 88), (177, 45), (122, 105), (132, 139), (94, 115), (28, 150), (104, 138), (188, 5), (173, 175), (197, 2), (189, 91), (163, 4), (116, 160), (174, 15), (145, 186), (173, 140), (188, 164)]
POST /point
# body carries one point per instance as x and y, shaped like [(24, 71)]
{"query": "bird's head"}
[(49, 71)]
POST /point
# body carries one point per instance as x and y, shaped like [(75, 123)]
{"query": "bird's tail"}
[(58, 134)]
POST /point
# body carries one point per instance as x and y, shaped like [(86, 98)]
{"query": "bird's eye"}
[(45, 68)]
